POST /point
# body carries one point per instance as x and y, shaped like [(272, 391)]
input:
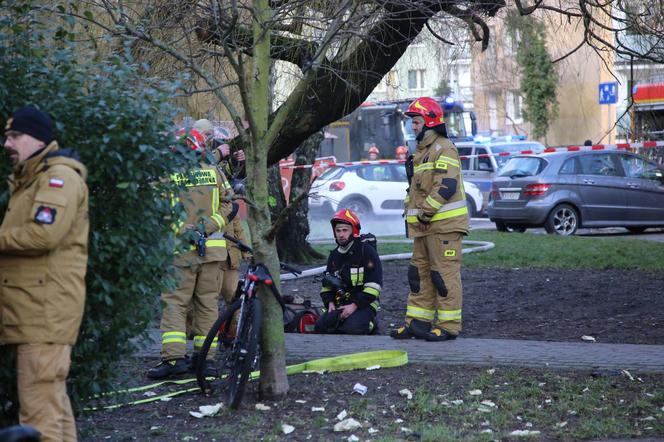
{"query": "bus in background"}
[(648, 117), (383, 124), (461, 124)]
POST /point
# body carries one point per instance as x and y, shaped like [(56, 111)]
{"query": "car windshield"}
[(522, 166), (514, 148), (332, 173)]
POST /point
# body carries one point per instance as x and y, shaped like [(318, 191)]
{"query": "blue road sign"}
[(608, 93)]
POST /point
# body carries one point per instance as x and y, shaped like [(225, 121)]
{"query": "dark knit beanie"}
[(31, 121)]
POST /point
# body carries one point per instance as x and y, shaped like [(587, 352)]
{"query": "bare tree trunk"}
[(292, 243), (276, 199), (273, 380)]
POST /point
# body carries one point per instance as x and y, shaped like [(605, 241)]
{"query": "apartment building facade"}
[(497, 77), (428, 64)]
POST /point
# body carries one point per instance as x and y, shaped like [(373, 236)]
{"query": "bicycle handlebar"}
[(240, 245), (245, 248)]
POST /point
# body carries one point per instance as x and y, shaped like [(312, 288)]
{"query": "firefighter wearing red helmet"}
[(352, 281), (192, 138), (204, 193), (437, 218), (401, 152), (373, 152)]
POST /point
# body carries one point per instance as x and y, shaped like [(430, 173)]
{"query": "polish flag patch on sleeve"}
[(56, 182)]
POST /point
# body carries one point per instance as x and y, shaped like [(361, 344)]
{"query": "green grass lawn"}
[(525, 250), (448, 403)]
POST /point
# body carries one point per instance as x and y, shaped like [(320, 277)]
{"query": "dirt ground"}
[(613, 305)]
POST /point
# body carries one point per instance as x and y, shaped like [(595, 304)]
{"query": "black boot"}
[(416, 329), (168, 368), (419, 328), (438, 334), (402, 333), (191, 362)]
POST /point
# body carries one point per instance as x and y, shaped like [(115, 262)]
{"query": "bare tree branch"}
[(436, 35), (283, 216)]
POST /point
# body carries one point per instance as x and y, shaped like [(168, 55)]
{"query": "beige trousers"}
[(229, 284), (434, 276), (198, 286), (42, 390)]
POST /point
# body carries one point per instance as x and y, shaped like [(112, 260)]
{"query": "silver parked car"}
[(563, 191)]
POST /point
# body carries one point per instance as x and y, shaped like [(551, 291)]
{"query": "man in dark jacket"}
[(352, 282)]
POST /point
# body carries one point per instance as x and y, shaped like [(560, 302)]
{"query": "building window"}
[(513, 107), (460, 82), (512, 39), (493, 111), (416, 79), (382, 86), (392, 79), (490, 56), (641, 17)]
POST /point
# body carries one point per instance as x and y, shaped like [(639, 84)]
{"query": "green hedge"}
[(119, 124)]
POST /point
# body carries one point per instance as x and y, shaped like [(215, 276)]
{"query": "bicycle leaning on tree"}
[(237, 330)]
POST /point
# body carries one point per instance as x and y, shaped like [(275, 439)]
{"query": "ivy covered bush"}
[(539, 78), (119, 124)]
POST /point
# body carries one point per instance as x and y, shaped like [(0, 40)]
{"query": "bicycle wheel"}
[(223, 321), (244, 352)]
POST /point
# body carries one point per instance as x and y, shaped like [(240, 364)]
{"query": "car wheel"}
[(472, 207), (637, 229), (357, 205), (563, 220), (501, 226)]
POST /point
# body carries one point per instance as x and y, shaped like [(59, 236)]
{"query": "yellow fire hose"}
[(354, 361)]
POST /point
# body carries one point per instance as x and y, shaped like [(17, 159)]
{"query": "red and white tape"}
[(619, 146)]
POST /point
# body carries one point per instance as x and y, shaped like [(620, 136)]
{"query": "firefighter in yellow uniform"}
[(437, 218), (232, 264), (229, 165), (205, 199), (43, 260), (226, 165)]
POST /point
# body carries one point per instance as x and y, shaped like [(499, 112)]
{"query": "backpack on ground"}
[(300, 318)]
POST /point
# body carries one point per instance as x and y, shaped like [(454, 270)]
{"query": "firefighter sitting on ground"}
[(205, 197), (352, 282)]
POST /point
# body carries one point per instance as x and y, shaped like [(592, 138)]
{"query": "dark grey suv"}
[(563, 191)]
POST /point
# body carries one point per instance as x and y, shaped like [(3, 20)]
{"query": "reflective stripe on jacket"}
[(436, 193), (360, 269), (205, 196)]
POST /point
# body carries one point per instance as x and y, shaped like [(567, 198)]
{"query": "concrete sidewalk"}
[(478, 352)]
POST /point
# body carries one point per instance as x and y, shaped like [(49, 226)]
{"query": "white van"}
[(481, 170)]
